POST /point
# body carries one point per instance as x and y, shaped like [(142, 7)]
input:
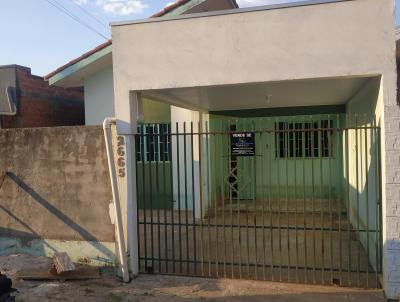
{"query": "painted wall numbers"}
[(121, 163)]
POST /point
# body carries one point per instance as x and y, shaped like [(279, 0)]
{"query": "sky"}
[(36, 34)]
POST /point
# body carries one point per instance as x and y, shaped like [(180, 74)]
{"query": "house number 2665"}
[(121, 156)]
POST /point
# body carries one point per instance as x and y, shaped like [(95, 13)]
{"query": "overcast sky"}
[(36, 34)]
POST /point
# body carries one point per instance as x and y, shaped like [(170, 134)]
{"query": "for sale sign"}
[(243, 144)]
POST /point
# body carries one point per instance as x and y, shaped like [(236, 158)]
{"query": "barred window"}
[(299, 139), (153, 143)]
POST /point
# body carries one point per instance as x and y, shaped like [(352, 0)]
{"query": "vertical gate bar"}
[(186, 195), (378, 204), (137, 159), (358, 202), (157, 161), (303, 134), (243, 164), (330, 154), (321, 151), (263, 195), (366, 189), (208, 199), (340, 134), (287, 146), (151, 153), (230, 159), (313, 194), (375, 142), (144, 193), (270, 138), (241, 167), (244, 127), (172, 199), (193, 201), (238, 210), (296, 153), (331, 146), (254, 207), (348, 200), (200, 138), (165, 146), (214, 146), (179, 197), (222, 194), (279, 198)]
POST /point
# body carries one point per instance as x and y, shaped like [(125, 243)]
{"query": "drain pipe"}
[(115, 192), (11, 100)]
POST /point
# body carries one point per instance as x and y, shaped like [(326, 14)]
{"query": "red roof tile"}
[(84, 56)]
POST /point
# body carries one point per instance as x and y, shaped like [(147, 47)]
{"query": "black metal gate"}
[(304, 208)]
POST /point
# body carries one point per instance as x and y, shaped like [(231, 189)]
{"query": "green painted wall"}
[(267, 175), (154, 185), (156, 112), (151, 175)]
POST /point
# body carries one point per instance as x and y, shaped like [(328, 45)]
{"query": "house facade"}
[(281, 165)]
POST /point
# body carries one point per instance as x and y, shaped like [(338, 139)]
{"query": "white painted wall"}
[(99, 96), (256, 47), (361, 154), (184, 194)]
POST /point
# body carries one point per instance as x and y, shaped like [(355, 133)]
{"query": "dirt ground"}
[(155, 288)]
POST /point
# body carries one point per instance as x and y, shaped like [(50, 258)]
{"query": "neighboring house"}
[(27, 100), (94, 69)]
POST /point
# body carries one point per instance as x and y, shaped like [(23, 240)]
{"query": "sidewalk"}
[(152, 288)]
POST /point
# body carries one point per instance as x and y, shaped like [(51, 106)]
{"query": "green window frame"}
[(305, 139), (153, 143)]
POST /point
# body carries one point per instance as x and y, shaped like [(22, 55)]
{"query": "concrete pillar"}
[(127, 113), (390, 172), (391, 201)]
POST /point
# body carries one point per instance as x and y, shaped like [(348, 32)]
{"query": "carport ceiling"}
[(315, 92)]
